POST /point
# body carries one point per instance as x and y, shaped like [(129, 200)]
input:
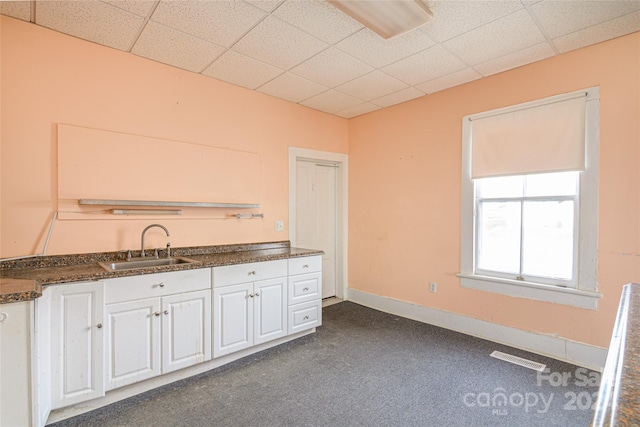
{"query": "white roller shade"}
[(532, 139)]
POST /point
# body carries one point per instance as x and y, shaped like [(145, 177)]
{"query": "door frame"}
[(342, 193)]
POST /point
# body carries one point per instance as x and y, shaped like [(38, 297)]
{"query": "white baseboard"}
[(574, 352)]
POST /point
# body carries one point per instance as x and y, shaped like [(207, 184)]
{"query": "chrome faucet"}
[(145, 230)]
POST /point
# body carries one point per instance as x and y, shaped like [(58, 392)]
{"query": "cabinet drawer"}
[(305, 287), (156, 285), (304, 265), (249, 272), (305, 316)]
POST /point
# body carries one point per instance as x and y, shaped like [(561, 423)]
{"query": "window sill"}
[(516, 288)]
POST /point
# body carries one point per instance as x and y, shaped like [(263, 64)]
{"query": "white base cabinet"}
[(152, 336), (305, 293), (248, 311), (77, 368)]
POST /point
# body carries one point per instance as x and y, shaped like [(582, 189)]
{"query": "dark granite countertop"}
[(618, 401), (22, 280)]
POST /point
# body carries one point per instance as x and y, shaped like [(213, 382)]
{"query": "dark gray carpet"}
[(365, 368)]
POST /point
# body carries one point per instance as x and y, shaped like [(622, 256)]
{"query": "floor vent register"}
[(518, 361)]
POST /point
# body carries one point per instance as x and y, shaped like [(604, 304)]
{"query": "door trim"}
[(342, 193)]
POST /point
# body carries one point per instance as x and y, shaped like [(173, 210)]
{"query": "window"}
[(529, 217)]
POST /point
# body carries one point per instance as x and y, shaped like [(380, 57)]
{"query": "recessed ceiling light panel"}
[(388, 18)]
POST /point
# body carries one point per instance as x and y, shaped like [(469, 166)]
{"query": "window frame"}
[(585, 293)]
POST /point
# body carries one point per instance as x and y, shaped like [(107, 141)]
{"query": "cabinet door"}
[(270, 309), (77, 314), (133, 342), (186, 330), (233, 318)]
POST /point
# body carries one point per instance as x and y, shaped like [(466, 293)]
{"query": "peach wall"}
[(50, 78), (405, 191)]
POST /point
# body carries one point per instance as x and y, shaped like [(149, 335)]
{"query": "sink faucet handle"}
[(128, 254), (168, 249), (155, 253)]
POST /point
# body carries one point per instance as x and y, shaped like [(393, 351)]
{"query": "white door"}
[(77, 371), (270, 309), (186, 330), (133, 341), (233, 324), (316, 216)]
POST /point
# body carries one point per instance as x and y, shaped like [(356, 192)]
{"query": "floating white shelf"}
[(159, 204)]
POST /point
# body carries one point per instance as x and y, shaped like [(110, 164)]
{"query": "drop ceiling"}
[(310, 53)]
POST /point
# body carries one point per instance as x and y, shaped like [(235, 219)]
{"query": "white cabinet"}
[(133, 342), (305, 293), (77, 316), (156, 323), (249, 305)]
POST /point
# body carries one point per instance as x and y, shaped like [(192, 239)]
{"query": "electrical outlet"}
[(433, 287), (279, 225)]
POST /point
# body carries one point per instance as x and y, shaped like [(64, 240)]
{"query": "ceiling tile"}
[(426, 65), (559, 18), (319, 19), (506, 35), (450, 80), (453, 18), (219, 22), (331, 101), (372, 49), (137, 7), (279, 44), (331, 68), (266, 5), (16, 9), (615, 28), (372, 86), (396, 98), (292, 88), (90, 20), (175, 48), (364, 108), (241, 70), (516, 59)]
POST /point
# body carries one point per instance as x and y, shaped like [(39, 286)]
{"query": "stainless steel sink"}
[(145, 263)]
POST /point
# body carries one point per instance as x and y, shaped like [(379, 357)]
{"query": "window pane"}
[(499, 236), (552, 184), (548, 239), (503, 186)]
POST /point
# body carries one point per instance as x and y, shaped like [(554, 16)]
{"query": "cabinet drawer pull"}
[(99, 325), (252, 273), (157, 313), (306, 318), (305, 289), (161, 284), (305, 266)]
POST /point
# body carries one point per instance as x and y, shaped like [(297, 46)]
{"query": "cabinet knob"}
[(99, 325), (305, 289), (250, 296), (257, 294), (252, 273), (166, 312), (161, 284), (305, 266), (306, 318), (157, 313)]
